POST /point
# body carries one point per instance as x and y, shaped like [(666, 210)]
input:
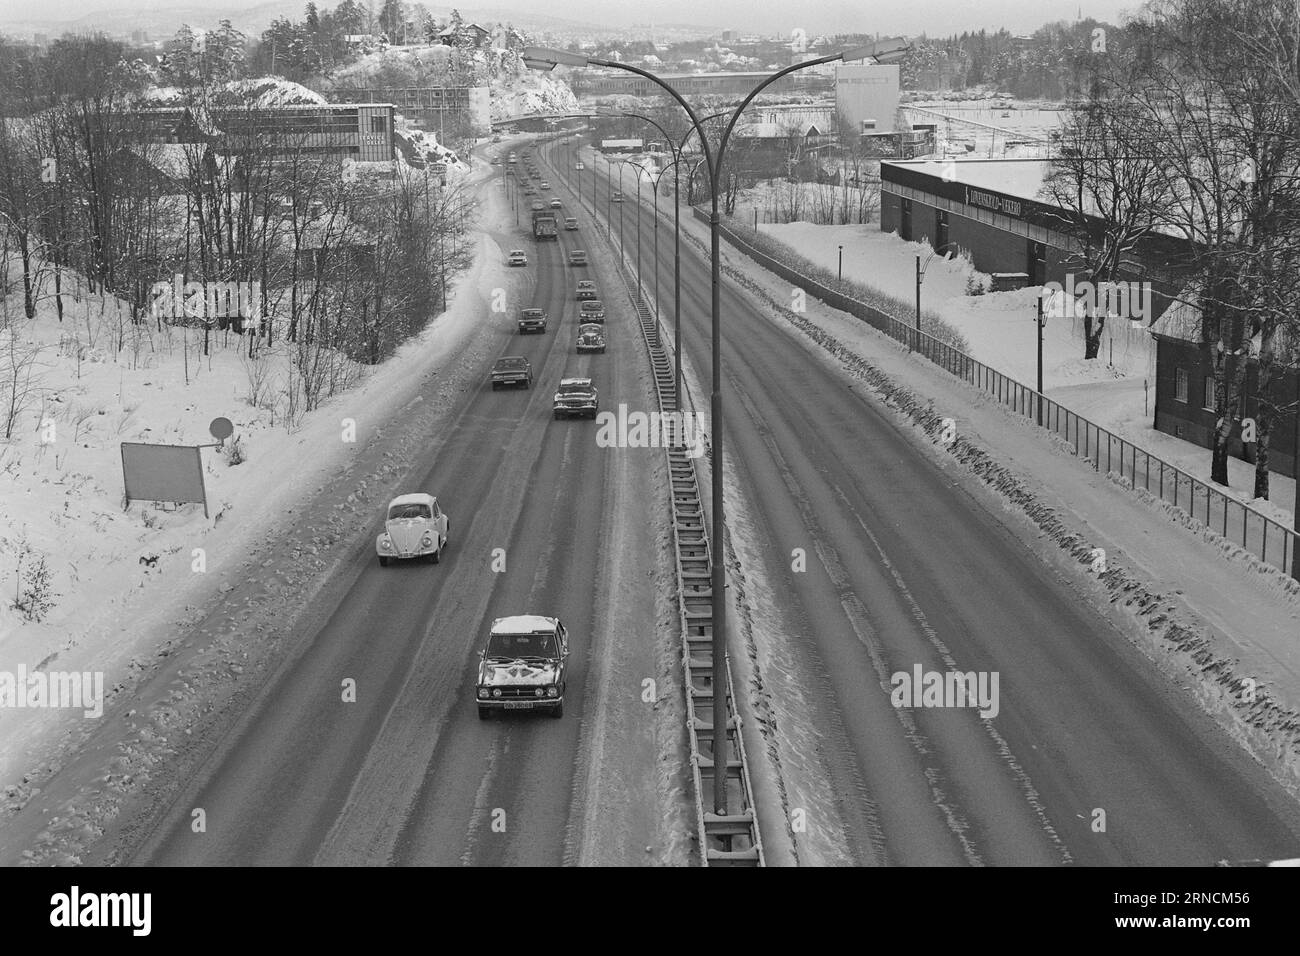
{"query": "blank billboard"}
[(163, 473)]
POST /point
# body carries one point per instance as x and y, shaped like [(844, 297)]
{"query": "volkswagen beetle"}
[(414, 527)]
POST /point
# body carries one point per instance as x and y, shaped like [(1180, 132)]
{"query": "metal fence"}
[(1267, 539)]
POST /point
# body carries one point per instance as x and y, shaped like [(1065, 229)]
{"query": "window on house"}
[(378, 124), (1209, 392), (1180, 384)]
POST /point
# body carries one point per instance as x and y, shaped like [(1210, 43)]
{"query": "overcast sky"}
[(939, 17)]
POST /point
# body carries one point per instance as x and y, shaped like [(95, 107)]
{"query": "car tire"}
[(436, 557), (484, 713), (558, 710), (383, 561)]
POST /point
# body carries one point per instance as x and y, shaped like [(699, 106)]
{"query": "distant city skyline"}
[(936, 18)]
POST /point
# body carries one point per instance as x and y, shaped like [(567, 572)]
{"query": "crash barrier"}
[(730, 839), (1269, 540)]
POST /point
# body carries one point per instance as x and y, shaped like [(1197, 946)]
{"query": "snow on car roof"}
[(523, 624), (416, 498), (577, 382)]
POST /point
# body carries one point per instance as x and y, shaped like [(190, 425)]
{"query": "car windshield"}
[(521, 645), (591, 305), (417, 510), (586, 284), (512, 362), (574, 387), (532, 313)]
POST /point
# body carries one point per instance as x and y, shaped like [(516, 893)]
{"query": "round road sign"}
[(221, 428)]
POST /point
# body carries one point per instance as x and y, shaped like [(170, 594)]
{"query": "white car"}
[(414, 527), (518, 257)]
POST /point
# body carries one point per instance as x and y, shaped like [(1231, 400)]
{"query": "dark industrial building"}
[(358, 131), (993, 211)]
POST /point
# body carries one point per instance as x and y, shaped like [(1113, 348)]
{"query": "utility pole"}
[(1039, 323), (1295, 469), (917, 336)]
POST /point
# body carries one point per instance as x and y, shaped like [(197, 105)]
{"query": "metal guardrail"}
[(733, 839), (1267, 539)]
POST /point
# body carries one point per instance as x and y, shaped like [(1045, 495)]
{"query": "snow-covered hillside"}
[(263, 92), (514, 89)]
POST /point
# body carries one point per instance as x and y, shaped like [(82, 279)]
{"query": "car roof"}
[(524, 624), (512, 360), (582, 382), (415, 498), (516, 252), (531, 308), (591, 305), (586, 284), (591, 327)]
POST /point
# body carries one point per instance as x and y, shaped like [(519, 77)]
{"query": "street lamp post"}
[(841, 271), (622, 201), (920, 275), (547, 59), (1039, 320), (641, 173)]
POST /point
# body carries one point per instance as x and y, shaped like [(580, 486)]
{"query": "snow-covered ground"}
[(61, 488), (265, 92), (978, 128), (1223, 616), (514, 90), (1115, 391)]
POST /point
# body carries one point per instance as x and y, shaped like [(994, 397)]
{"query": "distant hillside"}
[(163, 21)]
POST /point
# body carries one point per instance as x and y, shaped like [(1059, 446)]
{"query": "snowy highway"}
[(1091, 758)]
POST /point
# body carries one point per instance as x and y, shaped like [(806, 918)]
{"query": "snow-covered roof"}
[(778, 130), (174, 160), (1022, 178), (415, 498), (1182, 320), (523, 624)]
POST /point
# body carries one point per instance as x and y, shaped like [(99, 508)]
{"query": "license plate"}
[(518, 704)]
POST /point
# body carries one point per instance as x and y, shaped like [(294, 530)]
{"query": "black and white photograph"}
[(830, 435)]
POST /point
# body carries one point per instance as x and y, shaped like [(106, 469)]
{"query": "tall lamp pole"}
[(1039, 320), (920, 275), (548, 59), (642, 172)]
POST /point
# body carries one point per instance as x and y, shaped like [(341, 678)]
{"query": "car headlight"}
[(552, 691), (539, 692), (386, 543), (496, 691), (428, 539), (482, 691)]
